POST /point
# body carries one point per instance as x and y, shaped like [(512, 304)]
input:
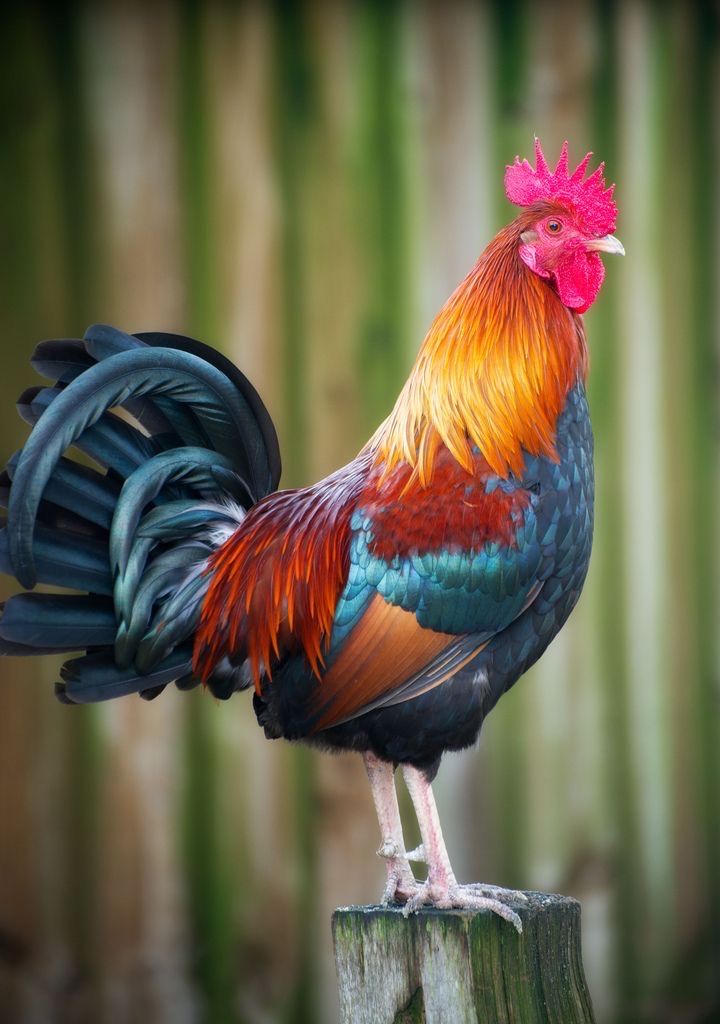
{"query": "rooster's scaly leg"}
[(401, 883), (441, 888)]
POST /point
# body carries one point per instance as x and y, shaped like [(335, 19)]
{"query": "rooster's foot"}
[(496, 892), (451, 896), (401, 884)]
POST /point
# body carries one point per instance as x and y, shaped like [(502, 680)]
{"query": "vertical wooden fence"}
[(301, 184)]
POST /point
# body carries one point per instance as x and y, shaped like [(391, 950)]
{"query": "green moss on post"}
[(458, 967)]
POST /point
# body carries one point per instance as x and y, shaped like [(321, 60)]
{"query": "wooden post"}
[(462, 967)]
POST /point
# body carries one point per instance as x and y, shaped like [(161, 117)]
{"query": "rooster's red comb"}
[(588, 197)]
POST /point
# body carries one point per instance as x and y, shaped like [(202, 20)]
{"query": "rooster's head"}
[(573, 218)]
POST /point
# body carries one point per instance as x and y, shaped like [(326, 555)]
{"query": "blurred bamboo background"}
[(302, 184)]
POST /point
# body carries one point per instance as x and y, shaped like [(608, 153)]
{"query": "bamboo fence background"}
[(302, 184)]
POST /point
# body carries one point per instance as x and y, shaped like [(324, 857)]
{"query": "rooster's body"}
[(385, 609)]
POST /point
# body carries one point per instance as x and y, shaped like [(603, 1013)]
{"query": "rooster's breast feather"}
[(385, 587), (434, 574)]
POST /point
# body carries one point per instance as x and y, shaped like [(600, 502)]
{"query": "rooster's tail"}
[(190, 449)]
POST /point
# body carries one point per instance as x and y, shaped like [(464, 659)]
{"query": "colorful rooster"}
[(383, 610)]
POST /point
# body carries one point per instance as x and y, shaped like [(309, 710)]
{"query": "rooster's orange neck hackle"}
[(501, 356), (493, 371)]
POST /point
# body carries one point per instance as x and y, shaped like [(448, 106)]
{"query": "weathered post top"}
[(462, 967)]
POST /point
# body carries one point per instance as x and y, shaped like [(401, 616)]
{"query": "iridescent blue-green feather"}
[(192, 448), (47, 623)]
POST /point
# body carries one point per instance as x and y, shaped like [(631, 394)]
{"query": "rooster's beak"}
[(609, 244)]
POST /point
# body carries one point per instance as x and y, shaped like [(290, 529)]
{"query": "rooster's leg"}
[(441, 888), (401, 883)]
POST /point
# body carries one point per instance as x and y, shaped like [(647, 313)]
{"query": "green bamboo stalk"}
[(691, 879), (295, 109), (382, 353), (211, 882), (48, 279), (609, 545), (704, 318), (73, 167), (640, 388)]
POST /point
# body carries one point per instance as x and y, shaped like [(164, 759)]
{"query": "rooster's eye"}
[(554, 227)]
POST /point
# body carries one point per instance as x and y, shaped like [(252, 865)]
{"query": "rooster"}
[(383, 610)]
